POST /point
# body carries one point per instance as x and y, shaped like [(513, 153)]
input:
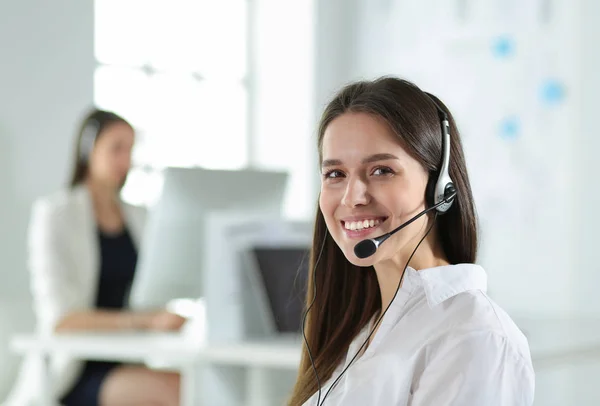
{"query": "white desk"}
[(173, 349), (552, 342)]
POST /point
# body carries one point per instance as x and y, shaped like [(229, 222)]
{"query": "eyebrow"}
[(367, 160)]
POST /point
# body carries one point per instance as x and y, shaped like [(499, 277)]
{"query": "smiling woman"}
[(410, 324)]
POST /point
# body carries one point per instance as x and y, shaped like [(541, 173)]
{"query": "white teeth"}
[(360, 225)]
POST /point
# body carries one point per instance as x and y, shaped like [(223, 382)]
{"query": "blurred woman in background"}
[(83, 245)]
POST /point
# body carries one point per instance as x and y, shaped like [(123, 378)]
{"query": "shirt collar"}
[(443, 282)]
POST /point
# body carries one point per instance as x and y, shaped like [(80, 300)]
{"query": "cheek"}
[(103, 163), (98, 162), (401, 199), (328, 205), (124, 158), (111, 162)]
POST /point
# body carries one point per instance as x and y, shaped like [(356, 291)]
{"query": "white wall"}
[(46, 78), (586, 297), (282, 73)]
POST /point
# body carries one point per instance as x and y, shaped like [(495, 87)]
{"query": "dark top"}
[(118, 260)]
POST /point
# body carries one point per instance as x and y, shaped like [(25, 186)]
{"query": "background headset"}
[(439, 197), (89, 133)]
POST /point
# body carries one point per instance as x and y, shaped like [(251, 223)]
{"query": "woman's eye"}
[(333, 174), (382, 170)]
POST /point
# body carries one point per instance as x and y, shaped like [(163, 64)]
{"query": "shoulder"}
[(59, 204), (63, 199), (457, 304), (476, 361), (474, 316)]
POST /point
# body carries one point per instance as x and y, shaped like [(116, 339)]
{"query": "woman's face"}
[(370, 185), (110, 159)]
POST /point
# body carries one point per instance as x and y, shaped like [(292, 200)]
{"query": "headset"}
[(439, 195), (444, 190), (89, 133)]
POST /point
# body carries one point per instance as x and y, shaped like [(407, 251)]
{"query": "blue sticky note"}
[(510, 128), (552, 91), (503, 47)]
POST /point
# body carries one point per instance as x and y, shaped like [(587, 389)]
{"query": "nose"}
[(356, 193)]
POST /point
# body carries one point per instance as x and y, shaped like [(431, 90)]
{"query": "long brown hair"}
[(92, 126), (348, 296)]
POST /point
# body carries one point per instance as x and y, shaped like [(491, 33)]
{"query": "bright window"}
[(177, 70)]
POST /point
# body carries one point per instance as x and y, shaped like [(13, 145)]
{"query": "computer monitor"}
[(282, 273), (255, 284), (175, 243), (276, 276)]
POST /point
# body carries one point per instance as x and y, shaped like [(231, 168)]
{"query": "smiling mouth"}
[(364, 224)]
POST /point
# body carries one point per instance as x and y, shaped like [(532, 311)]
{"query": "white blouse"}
[(442, 342)]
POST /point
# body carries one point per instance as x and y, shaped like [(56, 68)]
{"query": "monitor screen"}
[(174, 247), (283, 272)]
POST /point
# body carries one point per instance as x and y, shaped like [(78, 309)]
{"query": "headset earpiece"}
[(89, 133), (448, 194), (443, 189)]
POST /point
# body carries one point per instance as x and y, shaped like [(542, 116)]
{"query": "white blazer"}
[(64, 262)]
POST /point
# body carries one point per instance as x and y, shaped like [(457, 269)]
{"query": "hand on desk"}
[(108, 320), (163, 320)]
